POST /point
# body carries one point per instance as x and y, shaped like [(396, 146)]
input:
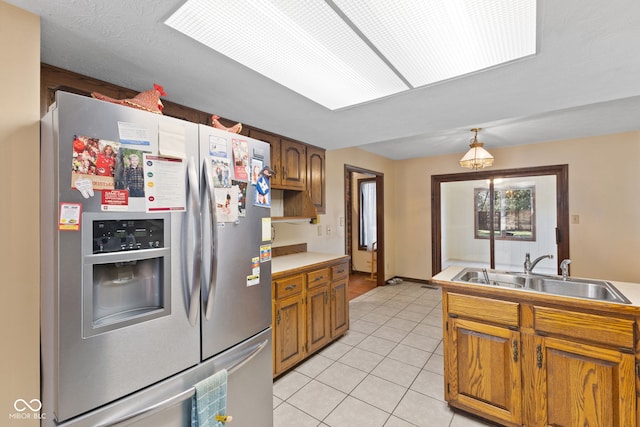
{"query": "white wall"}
[(19, 216)]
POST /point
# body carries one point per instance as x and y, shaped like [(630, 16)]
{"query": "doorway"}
[(493, 218), (352, 215)]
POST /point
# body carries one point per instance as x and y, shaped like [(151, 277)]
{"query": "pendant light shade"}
[(477, 157)]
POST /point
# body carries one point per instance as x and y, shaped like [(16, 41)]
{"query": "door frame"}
[(561, 173), (349, 171)]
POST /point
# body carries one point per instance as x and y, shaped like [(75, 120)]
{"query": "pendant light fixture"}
[(477, 157)]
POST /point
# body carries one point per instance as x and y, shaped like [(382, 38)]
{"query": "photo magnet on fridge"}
[(263, 188), (94, 160), (240, 149)]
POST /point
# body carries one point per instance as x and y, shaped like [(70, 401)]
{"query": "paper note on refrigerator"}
[(164, 184), (171, 140), (266, 229), (132, 134)]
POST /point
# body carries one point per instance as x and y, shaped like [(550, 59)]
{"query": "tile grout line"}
[(370, 307)]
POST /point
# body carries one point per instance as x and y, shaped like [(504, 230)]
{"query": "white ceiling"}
[(584, 80)]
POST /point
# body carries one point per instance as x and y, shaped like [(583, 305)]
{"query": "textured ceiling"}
[(584, 80)]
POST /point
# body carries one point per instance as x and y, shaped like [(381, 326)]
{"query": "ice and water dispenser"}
[(126, 271)]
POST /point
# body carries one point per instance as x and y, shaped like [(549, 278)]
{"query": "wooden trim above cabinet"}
[(53, 79)]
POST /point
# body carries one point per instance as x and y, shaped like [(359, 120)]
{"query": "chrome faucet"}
[(528, 265), (564, 267)]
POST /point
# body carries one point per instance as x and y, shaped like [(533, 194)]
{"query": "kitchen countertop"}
[(301, 259), (629, 290)]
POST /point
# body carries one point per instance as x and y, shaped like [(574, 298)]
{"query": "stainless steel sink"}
[(497, 278), (591, 289)]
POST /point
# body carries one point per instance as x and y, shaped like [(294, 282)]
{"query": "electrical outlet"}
[(341, 221)]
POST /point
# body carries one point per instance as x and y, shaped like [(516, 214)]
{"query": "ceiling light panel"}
[(301, 44), (432, 40)]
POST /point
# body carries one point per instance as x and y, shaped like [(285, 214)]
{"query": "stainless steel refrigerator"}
[(156, 270)]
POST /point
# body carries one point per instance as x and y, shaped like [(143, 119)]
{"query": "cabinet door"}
[(293, 156), (316, 177), (318, 317), (339, 307), (289, 332), (274, 142), (276, 162), (483, 369), (583, 385)]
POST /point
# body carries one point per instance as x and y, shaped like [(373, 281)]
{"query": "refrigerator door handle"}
[(209, 191), (193, 194), (187, 394), (237, 366)]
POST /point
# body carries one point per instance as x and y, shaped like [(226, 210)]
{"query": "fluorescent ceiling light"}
[(340, 53)]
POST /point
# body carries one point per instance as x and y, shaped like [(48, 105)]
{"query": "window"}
[(367, 213), (513, 213)]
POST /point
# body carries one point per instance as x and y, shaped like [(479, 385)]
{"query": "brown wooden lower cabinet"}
[(318, 316), (519, 362), (339, 300), (310, 310), (290, 331)]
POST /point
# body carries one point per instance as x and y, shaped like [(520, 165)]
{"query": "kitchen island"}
[(310, 300), (522, 358)]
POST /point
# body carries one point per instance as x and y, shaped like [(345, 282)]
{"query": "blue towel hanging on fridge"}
[(209, 404)]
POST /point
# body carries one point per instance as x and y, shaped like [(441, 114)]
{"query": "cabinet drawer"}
[(339, 271), (288, 286), (485, 309), (317, 278), (610, 331)]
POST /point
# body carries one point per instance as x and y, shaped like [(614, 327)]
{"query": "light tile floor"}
[(387, 371)]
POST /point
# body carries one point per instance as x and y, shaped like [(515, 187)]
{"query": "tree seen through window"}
[(513, 213)]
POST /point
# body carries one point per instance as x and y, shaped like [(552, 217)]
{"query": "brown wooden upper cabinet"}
[(316, 177), (298, 166), (293, 162), (288, 160)]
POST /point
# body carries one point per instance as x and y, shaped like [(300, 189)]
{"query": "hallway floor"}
[(359, 284), (387, 371)]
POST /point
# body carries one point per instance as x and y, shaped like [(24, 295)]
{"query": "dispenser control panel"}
[(127, 235)]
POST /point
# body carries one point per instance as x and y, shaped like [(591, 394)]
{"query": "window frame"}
[(561, 172), (493, 212)]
